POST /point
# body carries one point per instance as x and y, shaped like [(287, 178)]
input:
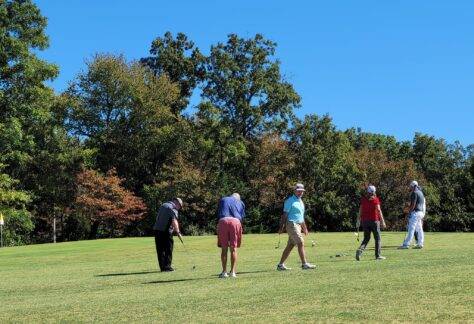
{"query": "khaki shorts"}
[(294, 234)]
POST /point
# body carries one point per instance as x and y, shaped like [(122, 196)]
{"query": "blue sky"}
[(389, 67)]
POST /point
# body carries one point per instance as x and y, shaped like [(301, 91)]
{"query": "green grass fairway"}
[(117, 281)]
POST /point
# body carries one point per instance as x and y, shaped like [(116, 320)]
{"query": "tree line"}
[(98, 159)]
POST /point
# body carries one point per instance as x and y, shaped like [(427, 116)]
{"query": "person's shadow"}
[(126, 273), (201, 278)]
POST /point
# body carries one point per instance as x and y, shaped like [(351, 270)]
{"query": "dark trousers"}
[(164, 249), (371, 227)]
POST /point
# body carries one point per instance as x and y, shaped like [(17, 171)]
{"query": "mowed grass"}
[(117, 281)]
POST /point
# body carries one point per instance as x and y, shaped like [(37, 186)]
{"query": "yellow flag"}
[(1, 219)]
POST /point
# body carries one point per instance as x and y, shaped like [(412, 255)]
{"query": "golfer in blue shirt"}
[(229, 231), (293, 220)]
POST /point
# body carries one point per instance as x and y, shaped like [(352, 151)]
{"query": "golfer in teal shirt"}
[(294, 207), (293, 220)]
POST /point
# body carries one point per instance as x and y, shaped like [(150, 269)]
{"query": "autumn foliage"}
[(104, 201)]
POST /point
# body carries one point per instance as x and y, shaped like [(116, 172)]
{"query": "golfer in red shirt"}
[(370, 216)]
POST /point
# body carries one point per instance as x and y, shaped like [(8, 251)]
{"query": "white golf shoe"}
[(308, 266), (233, 275), (380, 258), (223, 275), (282, 267)]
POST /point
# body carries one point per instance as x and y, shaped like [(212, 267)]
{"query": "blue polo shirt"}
[(231, 207), (294, 207)]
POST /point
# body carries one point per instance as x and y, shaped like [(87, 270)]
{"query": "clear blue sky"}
[(389, 67)]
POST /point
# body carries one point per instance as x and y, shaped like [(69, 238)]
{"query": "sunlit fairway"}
[(117, 280)]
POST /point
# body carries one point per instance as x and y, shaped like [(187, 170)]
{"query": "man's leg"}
[(159, 250), (224, 258), (378, 241), (367, 229), (168, 251), (286, 251), (419, 230), (301, 252), (233, 258), (365, 241), (411, 229)]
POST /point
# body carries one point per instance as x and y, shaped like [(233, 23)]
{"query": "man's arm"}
[(304, 228), (413, 198), (175, 225), (283, 219), (379, 210)]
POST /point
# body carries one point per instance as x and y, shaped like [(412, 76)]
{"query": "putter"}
[(186, 250), (278, 245)]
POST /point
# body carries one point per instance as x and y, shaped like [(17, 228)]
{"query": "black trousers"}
[(371, 227), (164, 249)]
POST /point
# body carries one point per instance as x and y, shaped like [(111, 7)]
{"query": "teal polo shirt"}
[(294, 207)]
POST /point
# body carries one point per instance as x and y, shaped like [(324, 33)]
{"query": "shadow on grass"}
[(126, 273), (202, 278), (256, 271), (178, 280), (384, 247)]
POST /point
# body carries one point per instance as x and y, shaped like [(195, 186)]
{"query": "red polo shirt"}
[(369, 209)]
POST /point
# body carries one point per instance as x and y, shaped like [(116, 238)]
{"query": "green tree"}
[(18, 223), (244, 97), (33, 144), (122, 113), (24, 99), (243, 81), (326, 166), (181, 61), (442, 165), (394, 149)]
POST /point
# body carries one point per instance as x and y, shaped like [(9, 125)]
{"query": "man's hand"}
[(305, 229), (281, 229), (384, 225)]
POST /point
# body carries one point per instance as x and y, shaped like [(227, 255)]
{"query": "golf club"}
[(356, 233), (278, 245), (357, 236), (186, 251)]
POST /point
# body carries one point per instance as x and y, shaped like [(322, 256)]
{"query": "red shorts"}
[(229, 232)]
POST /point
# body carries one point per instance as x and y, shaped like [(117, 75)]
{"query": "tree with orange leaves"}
[(103, 201)]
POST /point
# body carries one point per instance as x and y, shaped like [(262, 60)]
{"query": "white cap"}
[(180, 201), (371, 189), (236, 195), (299, 187), (414, 183)]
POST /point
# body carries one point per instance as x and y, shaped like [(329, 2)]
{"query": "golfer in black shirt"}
[(166, 223)]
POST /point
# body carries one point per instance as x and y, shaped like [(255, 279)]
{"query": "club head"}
[(313, 243), (194, 267)]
